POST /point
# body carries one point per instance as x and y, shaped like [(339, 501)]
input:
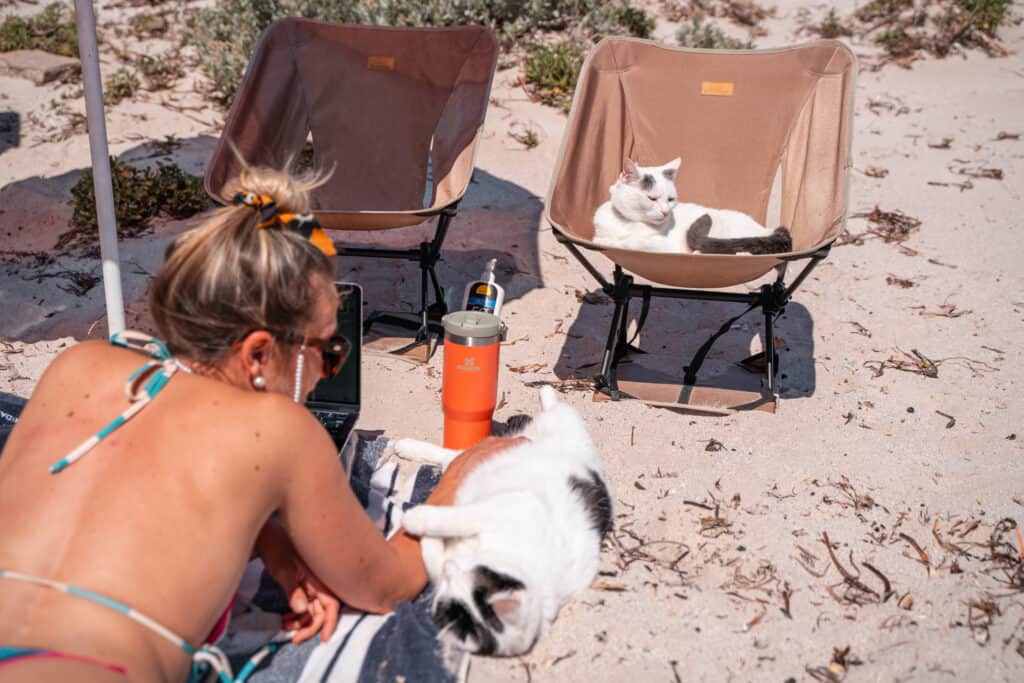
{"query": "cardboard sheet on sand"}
[(720, 391), (390, 340)]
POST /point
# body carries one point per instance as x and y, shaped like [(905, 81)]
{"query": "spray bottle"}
[(485, 295)]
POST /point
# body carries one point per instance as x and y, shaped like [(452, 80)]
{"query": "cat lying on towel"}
[(523, 536), (644, 214)]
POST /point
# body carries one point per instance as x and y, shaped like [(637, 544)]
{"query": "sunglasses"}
[(334, 351)]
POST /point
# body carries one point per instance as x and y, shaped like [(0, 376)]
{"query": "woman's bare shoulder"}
[(285, 425), (93, 358)]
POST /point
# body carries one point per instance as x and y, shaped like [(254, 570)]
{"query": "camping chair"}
[(396, 112), (737, 119)]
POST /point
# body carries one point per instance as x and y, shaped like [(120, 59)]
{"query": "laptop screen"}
[(344, 387)]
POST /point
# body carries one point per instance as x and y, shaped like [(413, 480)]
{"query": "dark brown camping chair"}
[(737, 119), (396, 112)]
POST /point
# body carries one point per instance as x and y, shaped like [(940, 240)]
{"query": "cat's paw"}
[(410, 449), (414, 520), (548, 397)]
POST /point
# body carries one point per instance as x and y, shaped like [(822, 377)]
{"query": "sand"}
[(718, 570)]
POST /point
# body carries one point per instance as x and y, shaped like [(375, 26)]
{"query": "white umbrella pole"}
[(102, 188)]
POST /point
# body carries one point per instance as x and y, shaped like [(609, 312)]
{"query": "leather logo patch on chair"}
[(380, 63), (719, 89)]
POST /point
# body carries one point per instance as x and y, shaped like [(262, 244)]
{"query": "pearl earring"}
[(259, 382)]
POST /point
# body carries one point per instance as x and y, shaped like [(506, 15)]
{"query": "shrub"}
[(553, 70), (147, 24), (180, 194), (831, 26), (897, 42), (709, 37), (876, 9), (986, 16), (160, 72), (121, 85), (620, 18), (52, 30), (139, 195)]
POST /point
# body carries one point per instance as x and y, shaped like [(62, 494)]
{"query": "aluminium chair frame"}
[(771, 298), (426, 255)]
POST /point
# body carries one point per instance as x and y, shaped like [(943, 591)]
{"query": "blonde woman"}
[(120, 558)]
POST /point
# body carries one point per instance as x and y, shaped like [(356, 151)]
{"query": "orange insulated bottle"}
[(469, 388)]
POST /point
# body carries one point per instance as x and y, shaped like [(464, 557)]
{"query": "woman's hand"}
[(444, 493), (314, 607)]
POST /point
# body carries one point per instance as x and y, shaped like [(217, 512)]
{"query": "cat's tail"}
[(698, 239)]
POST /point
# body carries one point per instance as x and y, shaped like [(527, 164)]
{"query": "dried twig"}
[(920, 552), (886, 585), (849, 578)]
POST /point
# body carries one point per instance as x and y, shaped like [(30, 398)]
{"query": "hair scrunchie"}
[(304, 224)]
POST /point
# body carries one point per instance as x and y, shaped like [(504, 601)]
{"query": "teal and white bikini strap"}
[(132, 614), (143, 385), (210, 655)]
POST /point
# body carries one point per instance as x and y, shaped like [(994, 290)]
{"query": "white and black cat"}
[(644, 214), (523, 536)]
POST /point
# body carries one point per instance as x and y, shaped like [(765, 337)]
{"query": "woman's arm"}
[(334, 535)]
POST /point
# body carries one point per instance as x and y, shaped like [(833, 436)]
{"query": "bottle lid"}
[(471, 325)]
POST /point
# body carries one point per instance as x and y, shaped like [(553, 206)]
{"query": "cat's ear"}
[(671, 168), (506, 603), (630, 173)]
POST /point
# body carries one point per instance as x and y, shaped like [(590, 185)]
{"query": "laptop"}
[(334, 401)]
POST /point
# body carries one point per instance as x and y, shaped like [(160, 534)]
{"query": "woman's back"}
[(169, 481)]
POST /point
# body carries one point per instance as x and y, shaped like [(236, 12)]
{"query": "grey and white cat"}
[(523, 536), (644, 214)]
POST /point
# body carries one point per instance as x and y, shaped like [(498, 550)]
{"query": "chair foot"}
[(406, 321)]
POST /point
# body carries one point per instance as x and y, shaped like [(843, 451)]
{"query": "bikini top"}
[(142, 387)]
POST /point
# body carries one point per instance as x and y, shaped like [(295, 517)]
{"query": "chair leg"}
[(615, 347), (773, 298), (771, 367), (428, 318)]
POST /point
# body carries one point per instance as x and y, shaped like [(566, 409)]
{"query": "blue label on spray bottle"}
[(482, 297)]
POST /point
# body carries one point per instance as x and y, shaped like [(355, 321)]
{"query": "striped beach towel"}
[(399, 646)]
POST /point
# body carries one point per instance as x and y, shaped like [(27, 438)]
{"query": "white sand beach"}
[(717, 570)]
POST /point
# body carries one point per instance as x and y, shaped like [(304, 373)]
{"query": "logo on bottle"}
[(483, 298), (468, 365)]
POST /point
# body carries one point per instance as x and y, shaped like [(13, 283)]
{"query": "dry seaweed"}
[(857, 592), (1006, 563), (945, 143), (529, 367), (837, 668), (889, 226), (858, 328), (981, 172), (981, 615), (916, 363), (944, 311), (595, 297), (903, 282), (921, 554), (564, 386), (966, 185)]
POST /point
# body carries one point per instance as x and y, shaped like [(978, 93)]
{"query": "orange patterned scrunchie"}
[(304, 224)]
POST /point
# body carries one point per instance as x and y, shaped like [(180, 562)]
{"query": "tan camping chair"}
[(396, 112), (738, 119)]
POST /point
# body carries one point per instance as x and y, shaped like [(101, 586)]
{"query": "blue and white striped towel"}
[(365, 647)]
